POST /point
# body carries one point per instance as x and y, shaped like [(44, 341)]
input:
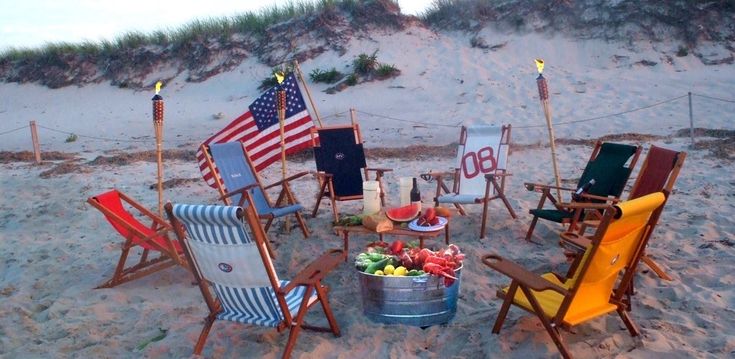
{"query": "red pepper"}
[(396, 247)]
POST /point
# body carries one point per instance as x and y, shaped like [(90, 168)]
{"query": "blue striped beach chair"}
[(234, 173), (226, 246)]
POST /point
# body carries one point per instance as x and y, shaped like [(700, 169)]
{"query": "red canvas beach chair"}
[(149, 238)]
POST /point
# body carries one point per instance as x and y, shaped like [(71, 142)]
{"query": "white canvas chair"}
[(479, 172), (226, 246)]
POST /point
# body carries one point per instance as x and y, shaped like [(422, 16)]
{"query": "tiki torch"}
[(158, 127), (543, 94), (281, 108)]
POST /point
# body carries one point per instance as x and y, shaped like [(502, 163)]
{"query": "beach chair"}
[(340, 164), (562, 303), (609, 166), (150, 238), (479, 172), (234, 174), (658, 173), (226, 246)]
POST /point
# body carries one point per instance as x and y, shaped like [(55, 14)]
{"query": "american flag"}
[(259, 131)]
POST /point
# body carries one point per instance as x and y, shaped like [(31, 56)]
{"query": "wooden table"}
[(397, 231)]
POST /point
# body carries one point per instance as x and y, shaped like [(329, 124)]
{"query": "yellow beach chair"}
[(563, 303)]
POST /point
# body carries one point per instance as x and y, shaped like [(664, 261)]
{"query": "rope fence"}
[(403, 120)]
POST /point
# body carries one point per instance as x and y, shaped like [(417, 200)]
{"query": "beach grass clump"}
[(71, 138), (329, 76), (365, 64), (385, 71)]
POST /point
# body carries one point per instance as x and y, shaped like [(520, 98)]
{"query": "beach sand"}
[(55, 248)]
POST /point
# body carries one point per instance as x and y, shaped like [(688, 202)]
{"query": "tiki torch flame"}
[(540, 65), (279, 77), (158, 87)]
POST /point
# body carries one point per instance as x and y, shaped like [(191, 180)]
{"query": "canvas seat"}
[(153, 238), (561, 303), (609, 166), (227, 246), (234, 174), (480, 171), (340, 164)]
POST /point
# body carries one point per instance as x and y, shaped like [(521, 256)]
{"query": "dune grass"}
[(221, 28)]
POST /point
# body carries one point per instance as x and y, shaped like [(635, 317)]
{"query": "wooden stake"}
[(547, 114), (36, 144), (308, 93), (353, 117)]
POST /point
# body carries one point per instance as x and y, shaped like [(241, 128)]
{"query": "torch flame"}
[(158, 87), (540, 65), (279, 76)]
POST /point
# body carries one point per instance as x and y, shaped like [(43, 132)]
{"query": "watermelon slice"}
[(403, 214)]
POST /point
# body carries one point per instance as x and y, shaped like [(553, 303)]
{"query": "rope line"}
[(13, 130), (409, 121), (93, 137), (610, 115), (714, 98)]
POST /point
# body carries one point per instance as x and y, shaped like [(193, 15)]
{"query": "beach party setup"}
[(408, 280)]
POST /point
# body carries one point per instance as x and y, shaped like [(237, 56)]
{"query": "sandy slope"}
[(54, 248)]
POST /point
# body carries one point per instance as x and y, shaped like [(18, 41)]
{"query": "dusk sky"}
[(32, 23)]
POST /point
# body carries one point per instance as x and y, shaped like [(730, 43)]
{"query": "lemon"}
[(400, 271), (379, 272), (389, 269)]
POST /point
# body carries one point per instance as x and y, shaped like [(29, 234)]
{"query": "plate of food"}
[(421, 225)]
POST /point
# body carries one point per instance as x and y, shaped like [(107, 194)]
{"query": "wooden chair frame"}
[(558, 203), (168, 254), (311, 277), (286, 195), (493, 181), (326, 184)]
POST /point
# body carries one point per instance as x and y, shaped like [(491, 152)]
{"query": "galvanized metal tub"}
[(419, 301)]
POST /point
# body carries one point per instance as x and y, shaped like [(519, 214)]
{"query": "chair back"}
[(608, 168), (658, 173), (482, 150), (236, 171), (226, 255), (614, 246), (340, 153), (111, 205)]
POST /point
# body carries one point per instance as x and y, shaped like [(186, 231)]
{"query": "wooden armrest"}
[(575, 241), (316, 270), (436, 175), (491, 175), (239, 191), (324, 175), (540, 187), (600, 198), (584, 205), (381, 170), (520, 274), (287, 179)]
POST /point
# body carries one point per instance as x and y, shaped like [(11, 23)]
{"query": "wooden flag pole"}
[(543, 92), (308, 93), (158, 128)]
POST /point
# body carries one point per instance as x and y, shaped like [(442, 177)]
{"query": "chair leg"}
[(632, 328), (501, 195), (530, 228), (321, 293), (208, 322), (484, 218), (506, 307), (551, 329), (302, 224), (319, 197), (655, 267), (268, 224), (296, 325)]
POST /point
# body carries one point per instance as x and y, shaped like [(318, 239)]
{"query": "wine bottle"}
[(581, 190), (415, 194)]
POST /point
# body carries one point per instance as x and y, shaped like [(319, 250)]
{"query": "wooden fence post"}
[(36, 144), (691, 121)]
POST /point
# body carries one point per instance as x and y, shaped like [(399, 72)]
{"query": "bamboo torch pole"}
[(543, 94), (158, 127), (281, 108), (297, 68)]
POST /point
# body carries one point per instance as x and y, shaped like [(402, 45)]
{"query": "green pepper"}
[(415, 273), (375, 266), (375, 257)]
